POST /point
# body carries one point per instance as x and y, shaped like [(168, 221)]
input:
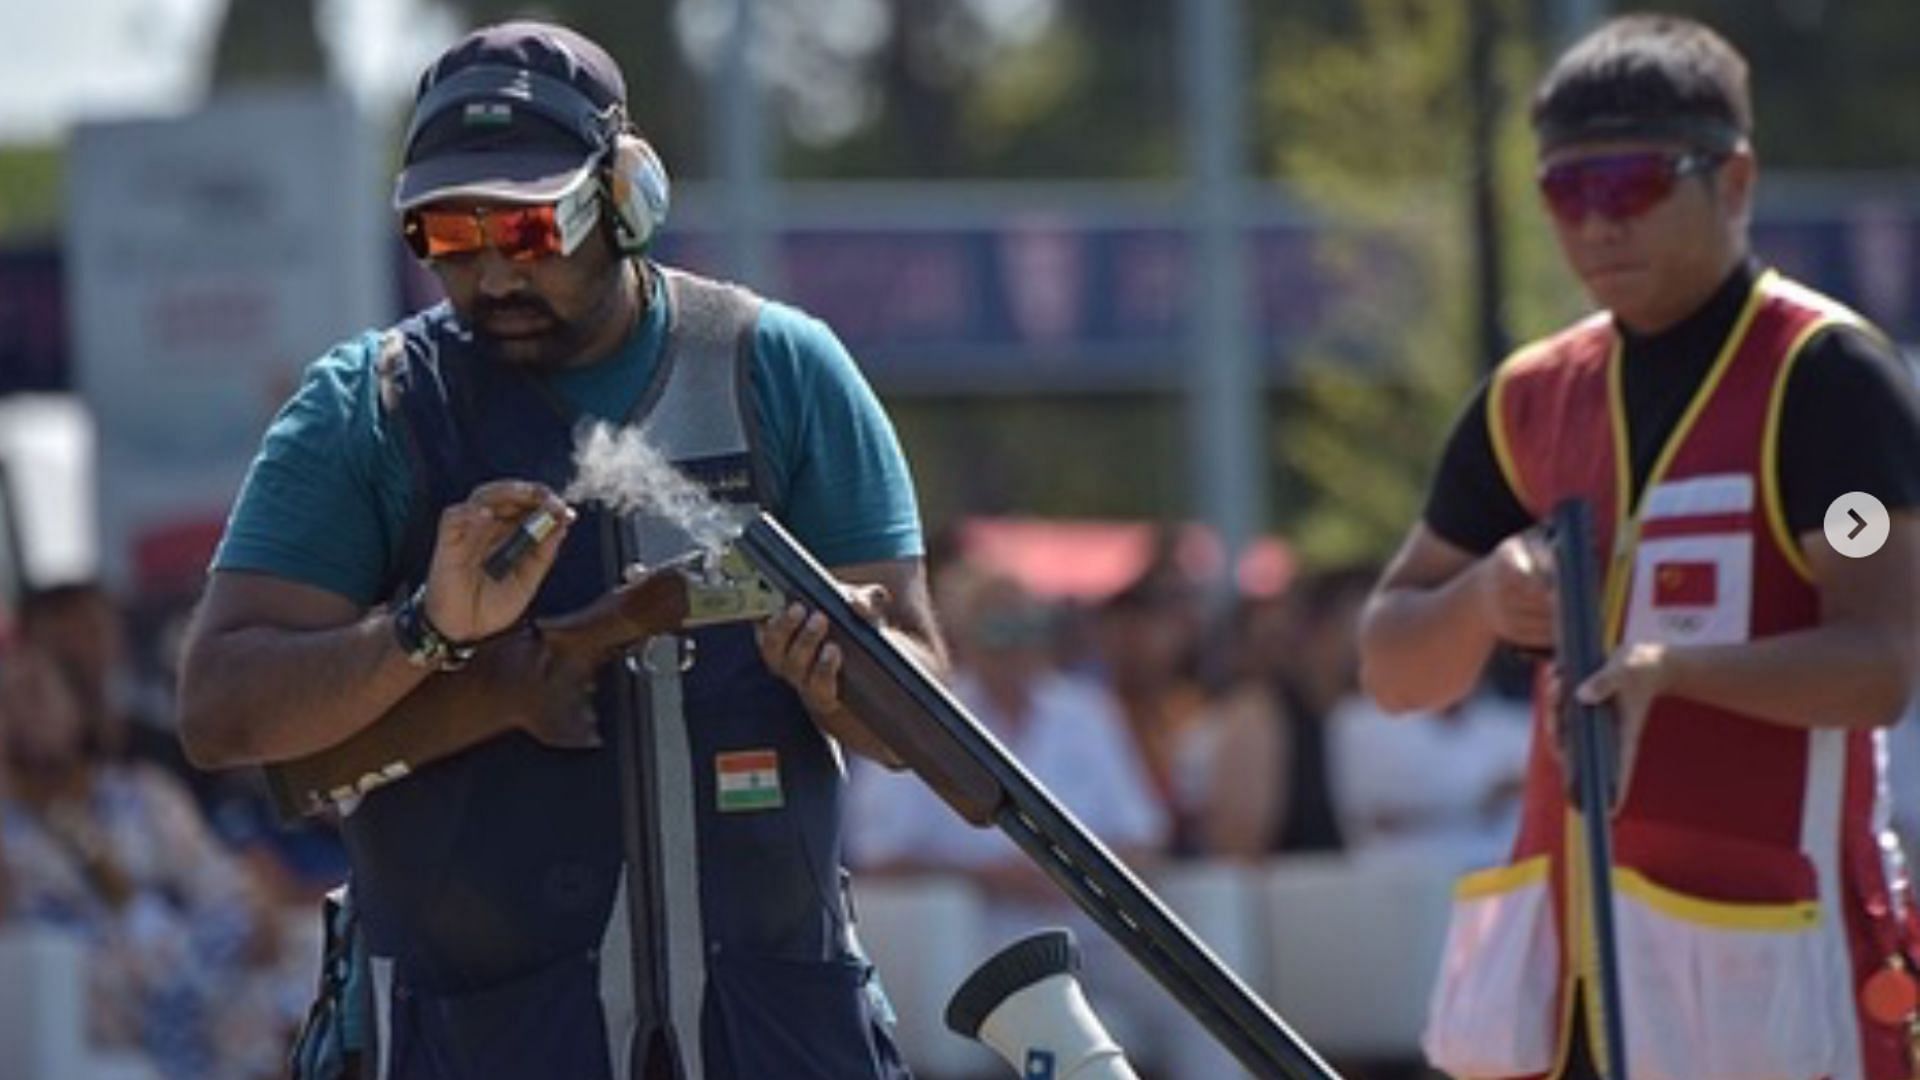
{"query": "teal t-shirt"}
[(325, 501)]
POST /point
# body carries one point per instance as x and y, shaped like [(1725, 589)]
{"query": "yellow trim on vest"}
[(1586, 948), (1627, 525), (1775, 918), (1613, 577), (1770, 499), (1502, 879), (1795, 293), (1564, 1050), (1497, 430)]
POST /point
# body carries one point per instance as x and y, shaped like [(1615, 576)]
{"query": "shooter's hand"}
[(795, 647), (1630, 679), (1514, 584), (462, 601)]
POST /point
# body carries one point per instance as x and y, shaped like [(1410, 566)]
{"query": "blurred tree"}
[(1114, 102), (1828, 78), (1371, 107), (1072, 455), (32, 184), (268, 41), (992, 88)]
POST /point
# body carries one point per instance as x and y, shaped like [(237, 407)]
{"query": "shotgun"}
[(906, 707), (935, 736)]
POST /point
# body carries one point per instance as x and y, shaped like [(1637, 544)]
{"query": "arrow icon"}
[(1856, 524)]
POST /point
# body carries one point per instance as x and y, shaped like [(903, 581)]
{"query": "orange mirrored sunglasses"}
[(521, 233)]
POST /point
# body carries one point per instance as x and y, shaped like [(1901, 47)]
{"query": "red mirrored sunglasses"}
[(521, 233), (1618, 186)]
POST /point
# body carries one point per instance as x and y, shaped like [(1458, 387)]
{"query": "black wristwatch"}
[(424, 644)]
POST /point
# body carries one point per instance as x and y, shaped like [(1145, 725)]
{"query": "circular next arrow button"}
[(1857, 524)]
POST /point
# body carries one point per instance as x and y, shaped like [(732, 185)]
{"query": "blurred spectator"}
[(117, 855), (1074, 648), (6, 873), (293, 860), (1298, 760), (1268, 780), (78, 626), (1068, 734), (1148, 640), (1901, 746), (1441, 786), (123, 684)]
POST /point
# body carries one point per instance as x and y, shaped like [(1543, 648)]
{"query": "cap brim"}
[(508, 177)]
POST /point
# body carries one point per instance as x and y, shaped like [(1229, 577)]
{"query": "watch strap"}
[(422, 642)]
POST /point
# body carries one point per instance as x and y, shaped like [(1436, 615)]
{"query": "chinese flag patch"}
[(1686, 584)]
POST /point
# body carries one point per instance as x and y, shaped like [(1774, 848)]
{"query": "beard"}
[(527, 331)]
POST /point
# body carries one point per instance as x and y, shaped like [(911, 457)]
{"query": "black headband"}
[(1705, 132)]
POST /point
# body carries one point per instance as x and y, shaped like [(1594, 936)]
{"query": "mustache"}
[(516, 307)]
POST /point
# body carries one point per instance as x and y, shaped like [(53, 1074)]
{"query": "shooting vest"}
[(1753, 899), (492, 886)]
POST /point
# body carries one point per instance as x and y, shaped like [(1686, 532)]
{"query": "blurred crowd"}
[(1171, 726), (193, 904), (1174, 727)]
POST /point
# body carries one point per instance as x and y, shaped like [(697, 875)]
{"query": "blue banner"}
[(1027, 306)]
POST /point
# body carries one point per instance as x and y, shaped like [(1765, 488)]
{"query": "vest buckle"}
[(665, 654)]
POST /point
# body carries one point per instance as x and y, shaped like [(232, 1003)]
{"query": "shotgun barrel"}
[(1591, 757), (935, 735)]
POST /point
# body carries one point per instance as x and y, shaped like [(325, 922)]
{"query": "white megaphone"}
[(1025, 1003)]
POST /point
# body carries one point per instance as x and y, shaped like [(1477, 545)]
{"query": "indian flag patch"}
[(748, 780), (487, 114)]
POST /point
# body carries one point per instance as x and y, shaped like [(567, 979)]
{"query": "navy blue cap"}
[(520, 111)]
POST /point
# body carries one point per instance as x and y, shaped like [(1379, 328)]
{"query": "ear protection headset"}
[(636, 187), (633, 181)]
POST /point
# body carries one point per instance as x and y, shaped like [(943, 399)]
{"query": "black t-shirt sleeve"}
[(1851, 422), (1470, 504)]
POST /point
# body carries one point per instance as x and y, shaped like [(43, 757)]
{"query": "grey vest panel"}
[(695, 416), (697, 413)]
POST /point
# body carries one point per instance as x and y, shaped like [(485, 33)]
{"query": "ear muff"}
[(636, 186)]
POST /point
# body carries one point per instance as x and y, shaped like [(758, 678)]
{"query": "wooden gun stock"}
[(536, 679)]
